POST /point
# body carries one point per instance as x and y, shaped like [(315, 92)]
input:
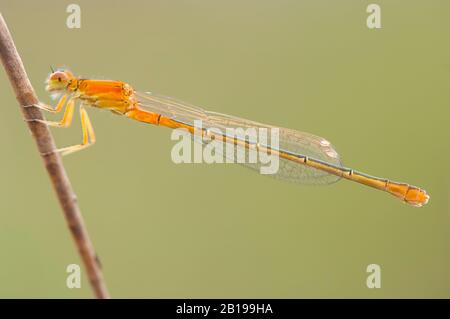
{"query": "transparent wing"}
[(291, 141)]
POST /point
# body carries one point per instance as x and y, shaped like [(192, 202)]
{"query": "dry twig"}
[(26, 96)]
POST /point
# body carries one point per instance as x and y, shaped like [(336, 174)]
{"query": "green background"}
[(193, 230)]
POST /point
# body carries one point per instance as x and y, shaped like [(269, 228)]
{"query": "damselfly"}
[(304, 158)]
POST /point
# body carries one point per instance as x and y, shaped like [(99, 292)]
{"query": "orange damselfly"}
[(304, 158)]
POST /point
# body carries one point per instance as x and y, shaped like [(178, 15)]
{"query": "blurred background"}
[(195, 230)]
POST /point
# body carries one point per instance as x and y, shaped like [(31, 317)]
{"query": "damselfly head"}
[(59, 80)]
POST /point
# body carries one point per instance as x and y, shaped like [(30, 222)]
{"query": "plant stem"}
[(26, 96)]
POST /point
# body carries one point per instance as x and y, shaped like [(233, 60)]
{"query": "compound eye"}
[(59, 76)]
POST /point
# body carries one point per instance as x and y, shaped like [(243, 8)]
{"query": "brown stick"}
[(26, 96)]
